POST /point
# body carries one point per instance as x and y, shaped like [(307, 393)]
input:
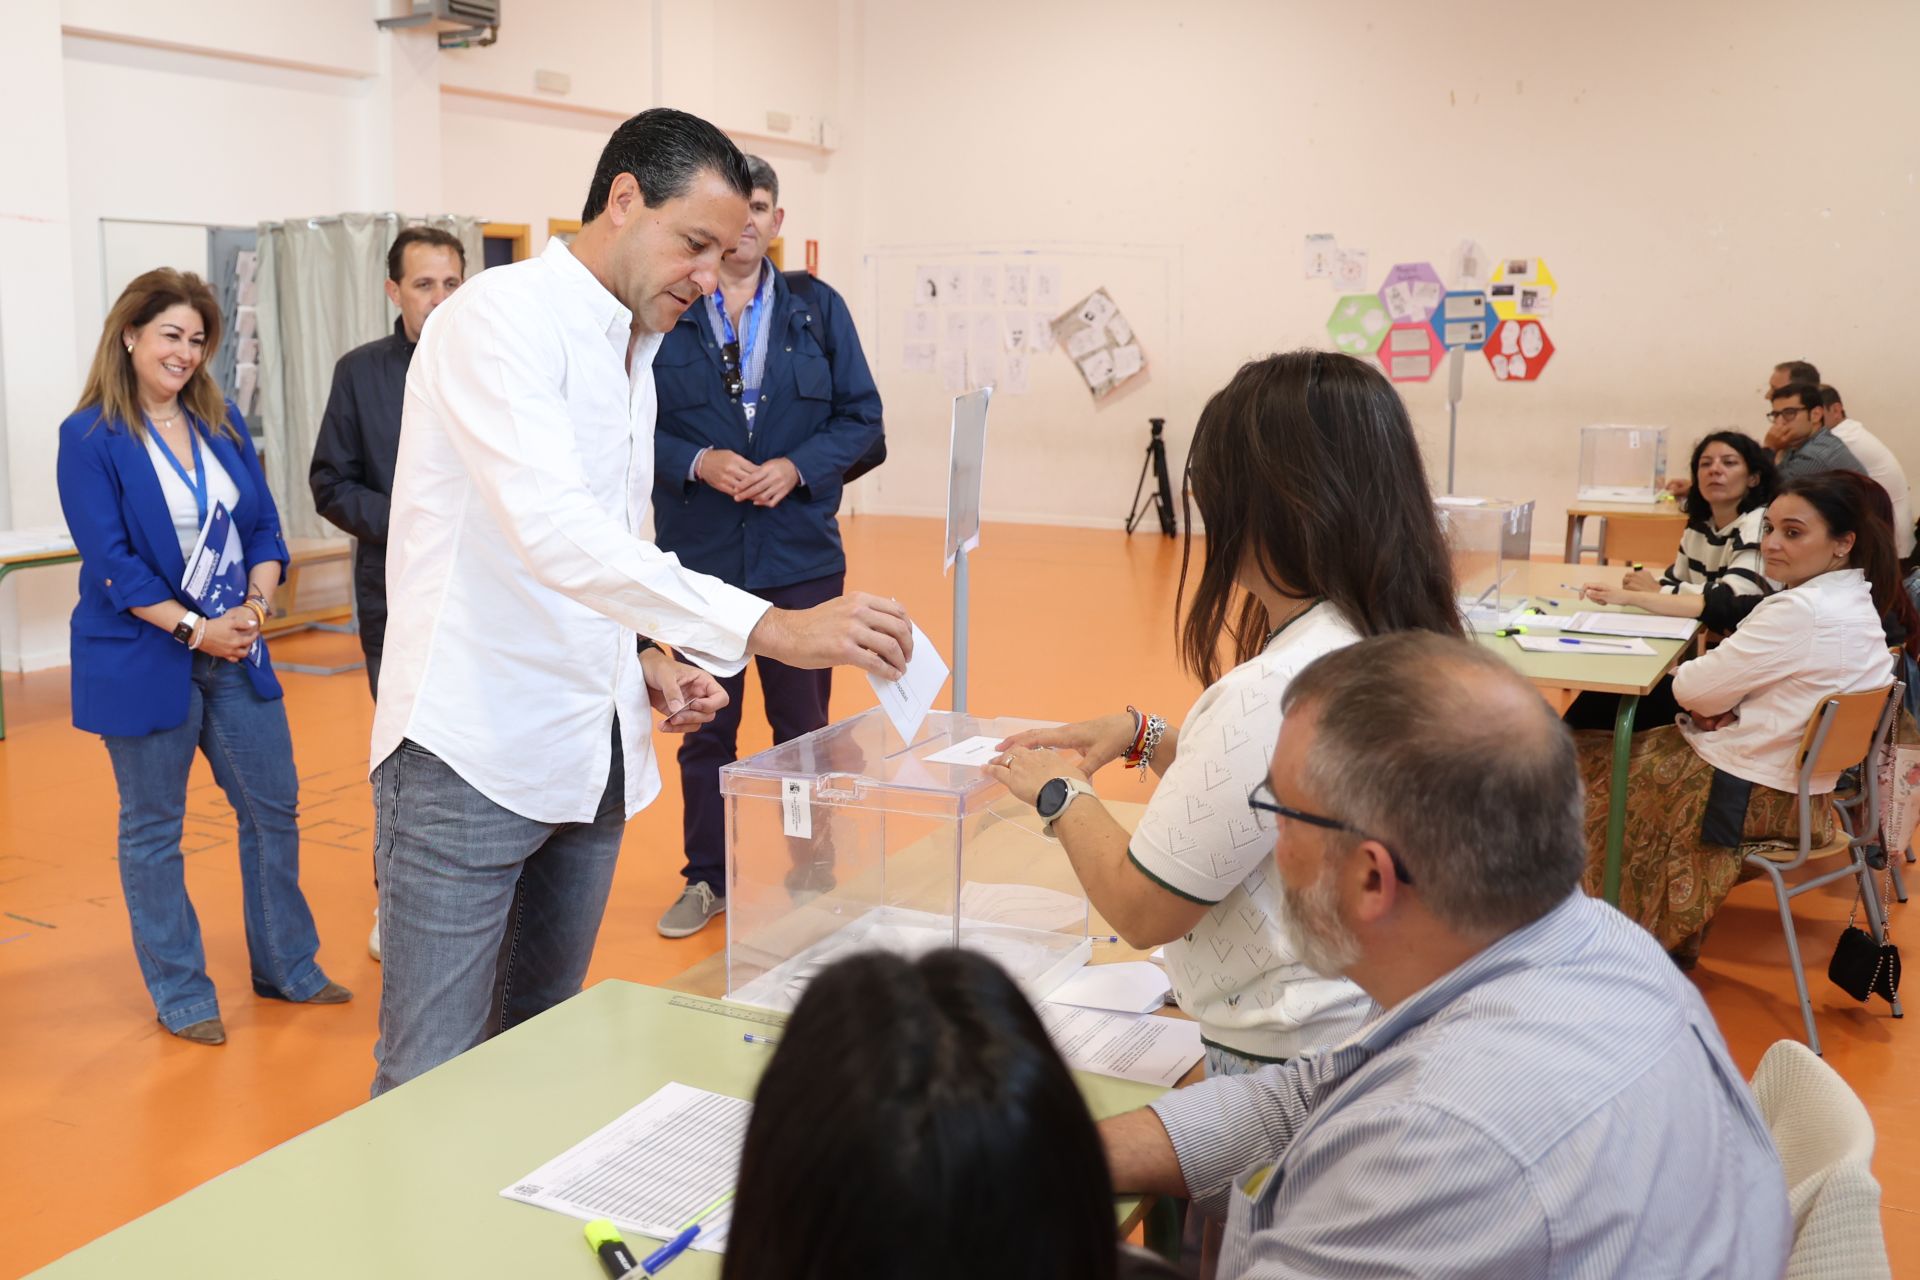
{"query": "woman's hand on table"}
[(1097, 742), (1640, 580), (1024, 770)]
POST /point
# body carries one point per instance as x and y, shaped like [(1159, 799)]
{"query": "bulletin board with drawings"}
[(938, 320)]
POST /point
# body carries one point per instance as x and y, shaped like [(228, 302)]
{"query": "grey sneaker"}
[(690, 914)]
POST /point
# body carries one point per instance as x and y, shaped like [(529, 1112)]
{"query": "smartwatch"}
[(1055, 795), (183, 629)]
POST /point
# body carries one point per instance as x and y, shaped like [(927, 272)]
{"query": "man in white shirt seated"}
[(1879, 462), (512, 738), (1541, 1092)]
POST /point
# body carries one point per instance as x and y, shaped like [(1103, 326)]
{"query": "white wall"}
[(1717, 187)]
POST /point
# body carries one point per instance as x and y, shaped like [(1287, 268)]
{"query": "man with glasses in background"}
[(766, 406), (1806, 447), (1541, 1093)]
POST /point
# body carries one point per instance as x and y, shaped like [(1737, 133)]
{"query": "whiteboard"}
[(128, 248), (1054, 455)]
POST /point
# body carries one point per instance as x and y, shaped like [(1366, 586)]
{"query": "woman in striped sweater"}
[(1716, 576)]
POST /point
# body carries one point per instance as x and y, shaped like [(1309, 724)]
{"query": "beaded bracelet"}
[(1155, 728)]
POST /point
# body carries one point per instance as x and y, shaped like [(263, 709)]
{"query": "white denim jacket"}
[(1796, 647)]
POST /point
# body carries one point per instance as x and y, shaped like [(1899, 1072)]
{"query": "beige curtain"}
[(322, 292)]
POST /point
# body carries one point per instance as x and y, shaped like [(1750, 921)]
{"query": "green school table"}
[(1629, 676), (409, 1183)]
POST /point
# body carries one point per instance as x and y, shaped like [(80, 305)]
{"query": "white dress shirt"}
[(516, 576), (1887, 473), (1796, 647)]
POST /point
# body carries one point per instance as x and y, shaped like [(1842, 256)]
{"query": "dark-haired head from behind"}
[(917, 1124), (1759, 464), (1306, 469), (665, 150)]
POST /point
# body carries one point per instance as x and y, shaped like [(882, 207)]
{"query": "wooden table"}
[(409, 1183), (1554, 587), (36, 548), (1652, 527)]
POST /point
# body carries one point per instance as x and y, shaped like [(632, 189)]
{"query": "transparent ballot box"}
[(1489, 539), (1622, 464), (848, 839)]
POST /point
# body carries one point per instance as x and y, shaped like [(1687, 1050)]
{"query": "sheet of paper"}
[(1040, 334), (1470, 265), (1570, 644), (957, 322), (918, 357), (1019, 378), (1130, 986), (953, 369), (953, 286), (1025, 906), (1143, 1047), (919, 325), (247, 322), (1015, 284), (1318, 256), (1597, 623), (966, 468), (1013, 326), (926, 286), (1097, 368), (1126, 362), (1096, 309), (973, 751), (1350, 271), (983, 368), (908, 699), (652, 1169), (986, 285), (983, 335), (1047, 295), (1085, 342), (1122, 331)]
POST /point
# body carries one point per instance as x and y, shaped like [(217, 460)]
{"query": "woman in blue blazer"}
[(151, 450)]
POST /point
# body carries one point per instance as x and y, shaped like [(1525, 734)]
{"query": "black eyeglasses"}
[(730, 369), (1786, 415), (1262, 797)]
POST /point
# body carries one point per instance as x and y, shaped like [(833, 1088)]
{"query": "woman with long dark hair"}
[(151, 451), (1320, 529), (1726, 774), (917, 1124), (1716, 575)]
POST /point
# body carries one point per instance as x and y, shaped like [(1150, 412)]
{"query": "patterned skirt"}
[(1671, 880)]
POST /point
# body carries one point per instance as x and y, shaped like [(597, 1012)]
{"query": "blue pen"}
[(656, 1261), (1105, 937), (1597, 644), (753, 1039)]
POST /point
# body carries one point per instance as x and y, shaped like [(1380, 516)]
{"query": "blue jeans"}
[(245, 739), (486, 917)]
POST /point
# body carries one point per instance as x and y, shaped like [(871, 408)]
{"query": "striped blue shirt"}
[(1561, 1105)]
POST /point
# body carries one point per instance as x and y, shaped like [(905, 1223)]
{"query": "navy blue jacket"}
[(130, 678), (820, 412)]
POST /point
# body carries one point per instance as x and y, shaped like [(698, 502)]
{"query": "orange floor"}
[(103, 1116)]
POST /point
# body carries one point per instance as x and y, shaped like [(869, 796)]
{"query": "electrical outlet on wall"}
[(553, 81), (779, 122)]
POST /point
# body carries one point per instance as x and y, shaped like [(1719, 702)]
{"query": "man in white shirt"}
[(512, 740), (1879, 462)]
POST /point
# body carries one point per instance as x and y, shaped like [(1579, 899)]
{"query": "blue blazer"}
[(129, 677), (818, 407)]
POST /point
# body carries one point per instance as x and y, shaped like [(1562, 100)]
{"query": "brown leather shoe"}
[(332, 993), (208, 1031)]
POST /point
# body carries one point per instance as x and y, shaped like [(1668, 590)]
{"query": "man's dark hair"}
[(763, 177), (1759, 462), (931, 1085), (397, 254), (1805, 394), (1829, 397), (1798, 371), (665, 150)]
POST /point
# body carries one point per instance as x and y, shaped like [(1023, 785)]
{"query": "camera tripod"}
[(1162, 497)]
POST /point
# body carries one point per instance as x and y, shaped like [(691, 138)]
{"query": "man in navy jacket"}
[(765, 402)]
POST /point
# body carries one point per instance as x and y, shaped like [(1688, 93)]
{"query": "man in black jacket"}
[(353, 458), (359, 441)]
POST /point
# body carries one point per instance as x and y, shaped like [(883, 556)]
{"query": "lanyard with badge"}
[(736, 349), (197, 482)]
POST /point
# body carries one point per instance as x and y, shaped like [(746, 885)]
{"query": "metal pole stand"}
[(1456, 361), (960, 632)]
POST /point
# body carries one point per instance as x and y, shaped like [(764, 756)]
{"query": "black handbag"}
[(801, 283), (1862, 967)]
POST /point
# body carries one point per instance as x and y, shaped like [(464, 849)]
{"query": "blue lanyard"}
[(750, 393), (197, 482)]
